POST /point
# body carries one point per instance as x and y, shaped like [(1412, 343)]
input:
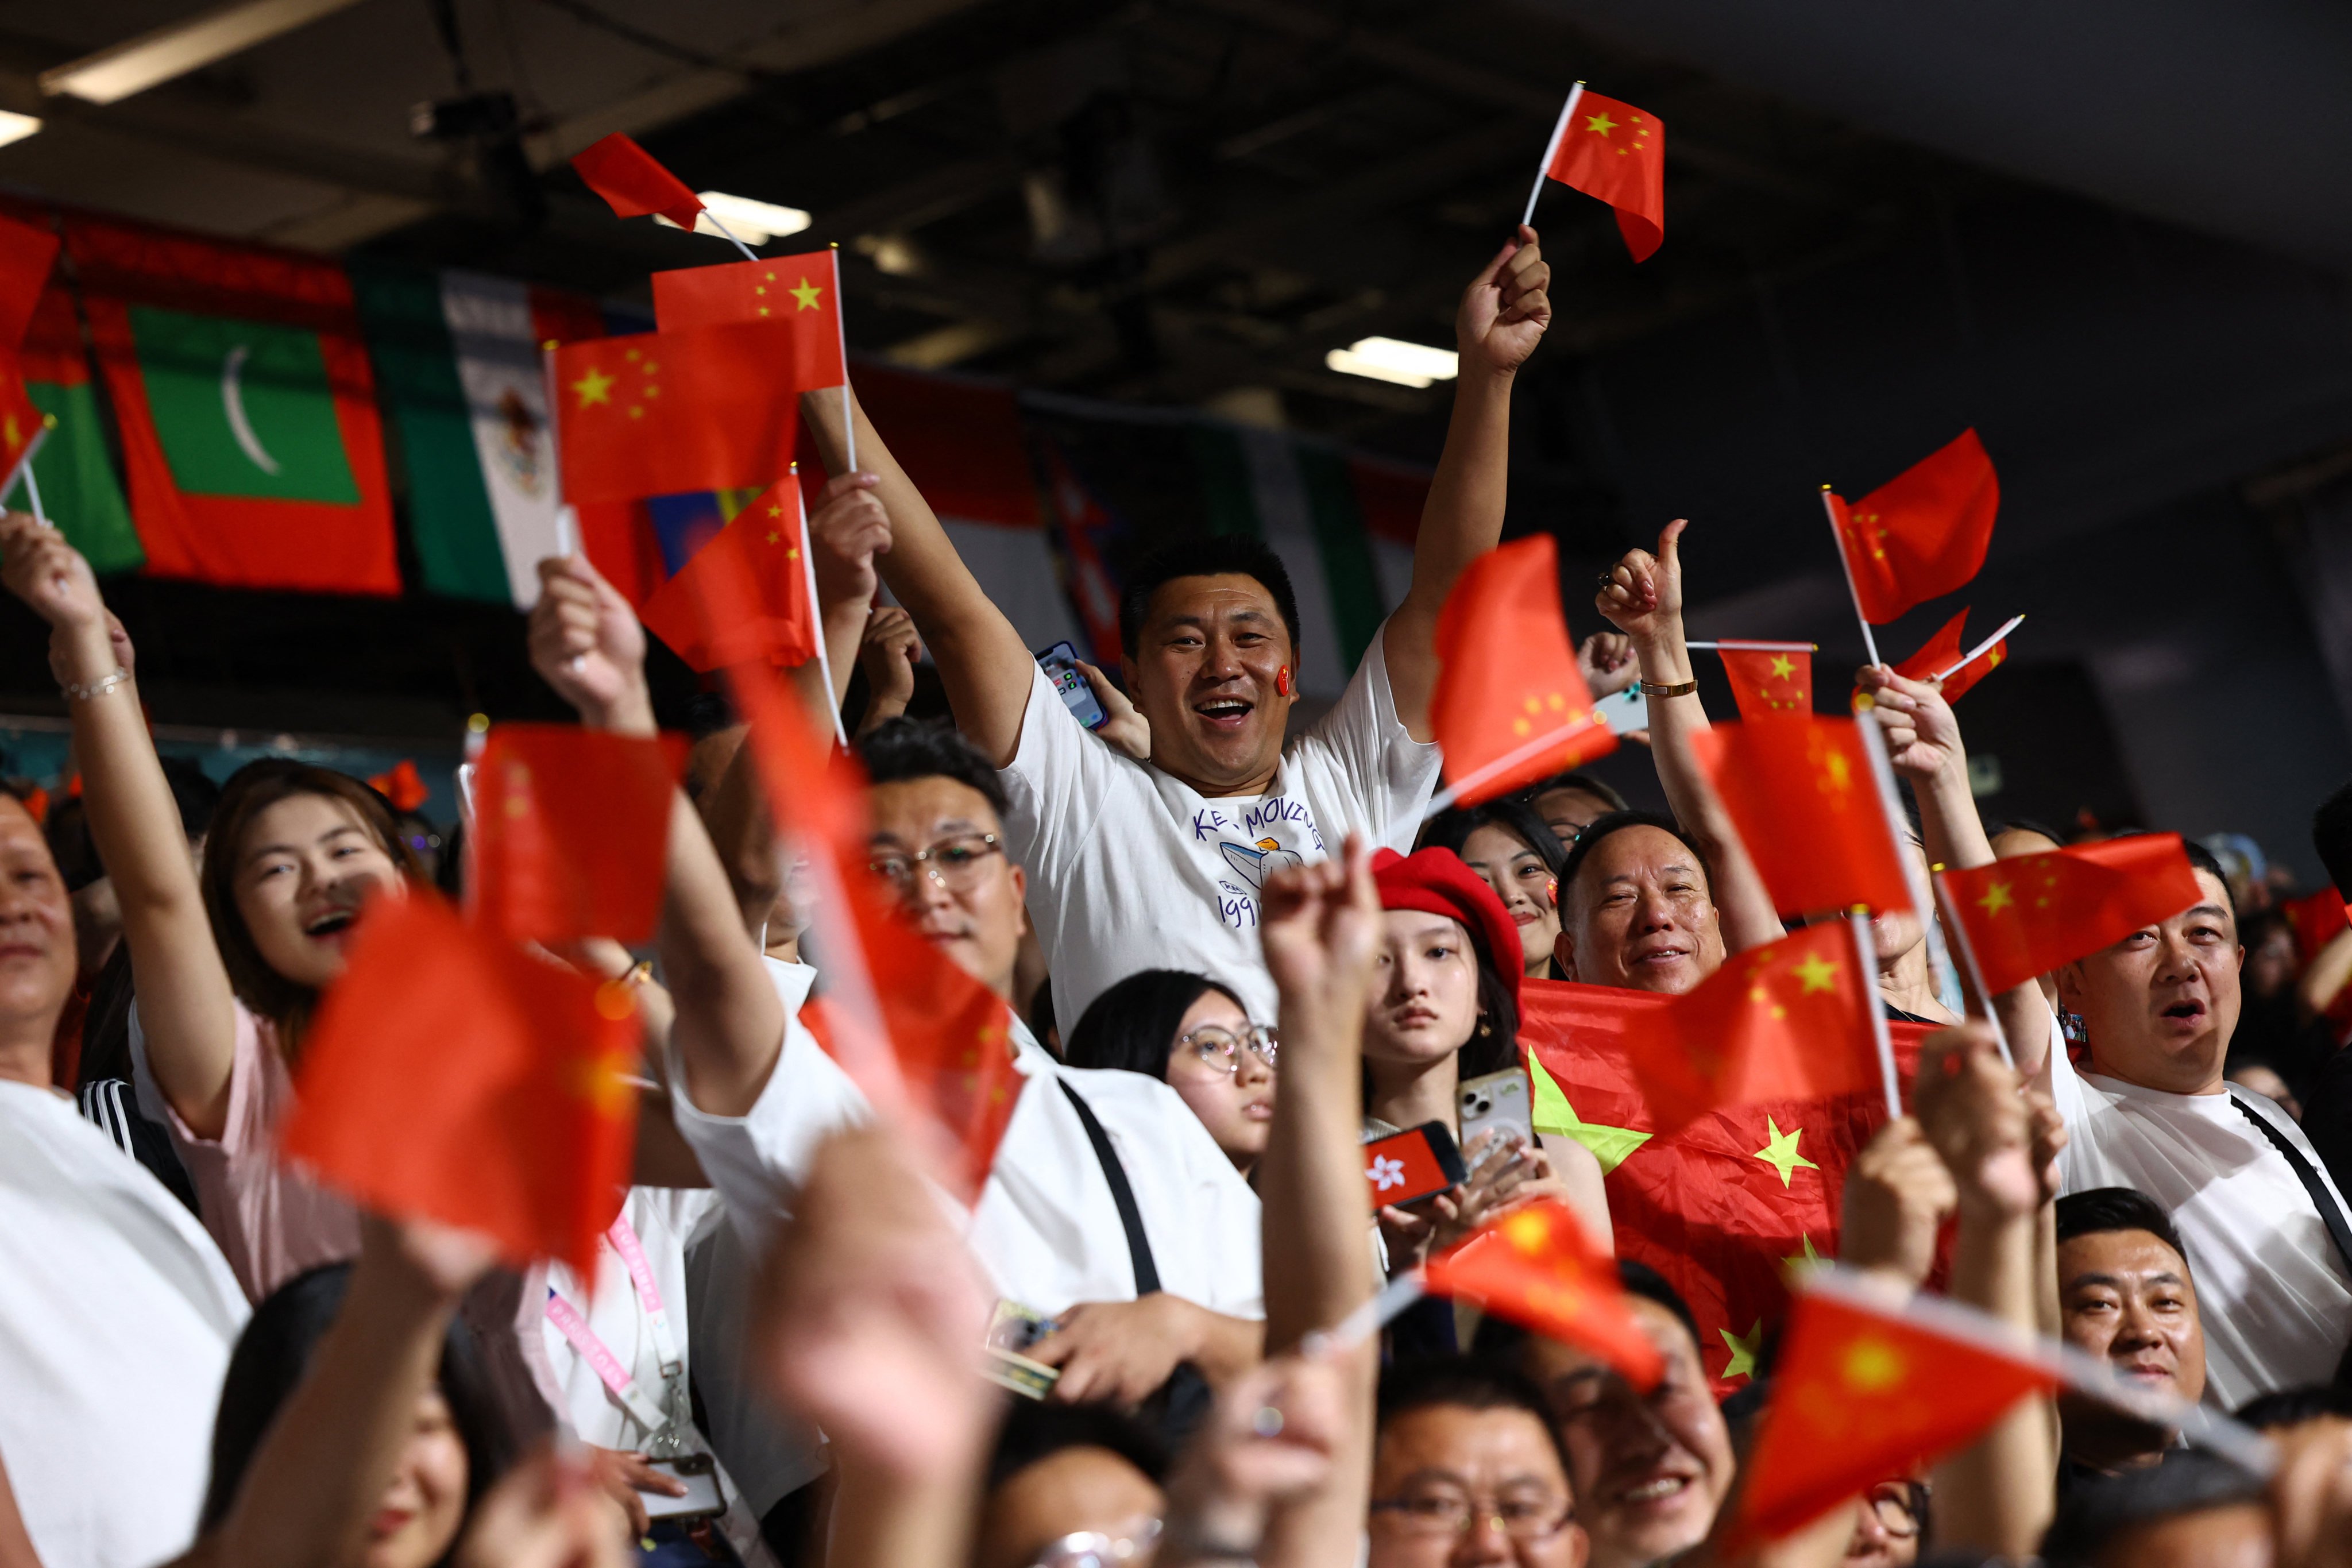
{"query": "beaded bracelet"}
[(76, 691)]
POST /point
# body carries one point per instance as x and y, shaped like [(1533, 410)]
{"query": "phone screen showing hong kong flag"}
[(1412, 1166)]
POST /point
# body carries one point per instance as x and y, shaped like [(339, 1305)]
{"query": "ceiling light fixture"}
[(1392, 359), (121, 69), (17, 127), (753, 223)]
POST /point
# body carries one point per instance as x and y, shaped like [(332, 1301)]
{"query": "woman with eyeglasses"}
[(1193, 1034), (1887, 1529)]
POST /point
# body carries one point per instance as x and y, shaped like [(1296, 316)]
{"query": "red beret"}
[(1436, 882)]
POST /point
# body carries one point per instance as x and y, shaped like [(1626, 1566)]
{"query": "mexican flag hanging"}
[(457, 355), (76, 478), (247, 413)]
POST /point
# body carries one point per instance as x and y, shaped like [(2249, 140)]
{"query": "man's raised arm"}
[(983, 661), (1501, 319)]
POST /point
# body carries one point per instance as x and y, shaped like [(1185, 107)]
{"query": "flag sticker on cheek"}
[(242, 408)]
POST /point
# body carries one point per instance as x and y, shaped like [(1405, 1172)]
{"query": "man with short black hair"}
[(2125, 1295), (2267, 1231), (1637, 906), (1467, 1468), (1160, 863)]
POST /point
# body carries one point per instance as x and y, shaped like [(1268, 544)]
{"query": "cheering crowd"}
[(1231, 963)]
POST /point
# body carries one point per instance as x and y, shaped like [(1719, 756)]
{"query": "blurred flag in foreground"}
[(458, 1078), (761, 554), (1798, 790), (1535, 1267), (1510, 706), (572, 832)]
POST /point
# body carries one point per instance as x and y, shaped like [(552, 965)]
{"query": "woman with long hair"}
[(1507, 844), (1444, 1010), (1193, 1034)]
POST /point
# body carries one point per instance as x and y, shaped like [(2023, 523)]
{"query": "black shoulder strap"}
[(1131, 1218), (2331, 1213)]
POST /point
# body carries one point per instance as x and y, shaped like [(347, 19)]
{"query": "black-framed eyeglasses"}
[(953, 863), (1222, 1048), (1442, 1511), (1901, 1507)]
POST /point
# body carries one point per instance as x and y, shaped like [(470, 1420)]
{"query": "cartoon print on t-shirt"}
[(1255, 862)]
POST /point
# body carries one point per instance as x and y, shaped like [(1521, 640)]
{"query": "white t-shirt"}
[(2274, 1298), (1047, 1230), (117, 1316), (1129, 869)]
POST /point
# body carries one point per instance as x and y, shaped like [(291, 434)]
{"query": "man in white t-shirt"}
[(116, 1312), (1159, 864), (2153, 1113)]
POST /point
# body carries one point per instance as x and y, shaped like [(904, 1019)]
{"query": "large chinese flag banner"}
[(241, 386)]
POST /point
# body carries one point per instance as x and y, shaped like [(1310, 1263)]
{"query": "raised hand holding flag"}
[(1941, 659)]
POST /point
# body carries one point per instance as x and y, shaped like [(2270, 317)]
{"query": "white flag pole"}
[(1444, 800), (841, 327), (1738, 644), (817, 612), (721, 225), (1981, 649), (1959, 930), (1882, 773), (1543, 170), (1828, 509), (1858, 923)]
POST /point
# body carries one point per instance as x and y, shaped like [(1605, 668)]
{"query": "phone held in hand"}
[(700, 1476), (1012, 1328), (1503, 1101), (1418, 1162), (1623, 711), (1060, 664)]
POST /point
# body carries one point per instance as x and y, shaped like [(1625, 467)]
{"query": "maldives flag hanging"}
[(800, 292), (73, 466), (1722, 1207), (1923, 534), (1616, 154), (241, 387), (657, 414), (1770, 683), (1510, 706)]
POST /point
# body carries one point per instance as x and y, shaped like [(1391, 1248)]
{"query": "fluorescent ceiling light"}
[(1391, 359), (171, 51), (753, 223), (17, 127)]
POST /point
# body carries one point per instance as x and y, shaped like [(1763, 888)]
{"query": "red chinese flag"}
[(1615, 153), (633, 184), (1923, 534), (759, 552), (403, 785), (572, 832), (666, 413), (1799, 791), (1943, 651), (1864, 1393), (2026, 915), (465, 1080), (1510, 707), (1769, 684), (2317, 919), (1789, 1021), (801, 293), (947, 1037), (1535, 1267)]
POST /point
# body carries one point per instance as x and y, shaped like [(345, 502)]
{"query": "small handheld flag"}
[(1613, 152), (1920, 535), (761, 548), (1769, 684), (572, 832), (1941, 660), (1799, 791), (632, 181), (2026, 915), (1535, 1267)]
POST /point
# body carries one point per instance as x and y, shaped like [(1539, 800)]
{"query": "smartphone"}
[(700, 1478), (1625, 712), (1416, 1164), (1060, 663), (1503, 1101)]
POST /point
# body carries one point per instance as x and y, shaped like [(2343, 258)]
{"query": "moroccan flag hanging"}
[(659, 412), (1923, 534), (572, 832), (1864, 1391), (464, 1079), (241, 386), (1767, 684), (2026, 915), (935, 1039), (1510, 706), (1616, 154), (73, 468), (1787, 1021), (1728, 1205), (1799, 789), (802, 292), (1535, 1267), (762, 551), (633, 184), (1944, 650)]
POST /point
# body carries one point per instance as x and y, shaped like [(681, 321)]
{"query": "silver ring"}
[(1267, 1422)]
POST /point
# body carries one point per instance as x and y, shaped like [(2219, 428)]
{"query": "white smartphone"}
[(1625, 712), (1501, 1101), (700, 1478)]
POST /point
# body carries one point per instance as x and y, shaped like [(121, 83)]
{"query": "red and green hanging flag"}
[(241, 386), (73, 467)]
